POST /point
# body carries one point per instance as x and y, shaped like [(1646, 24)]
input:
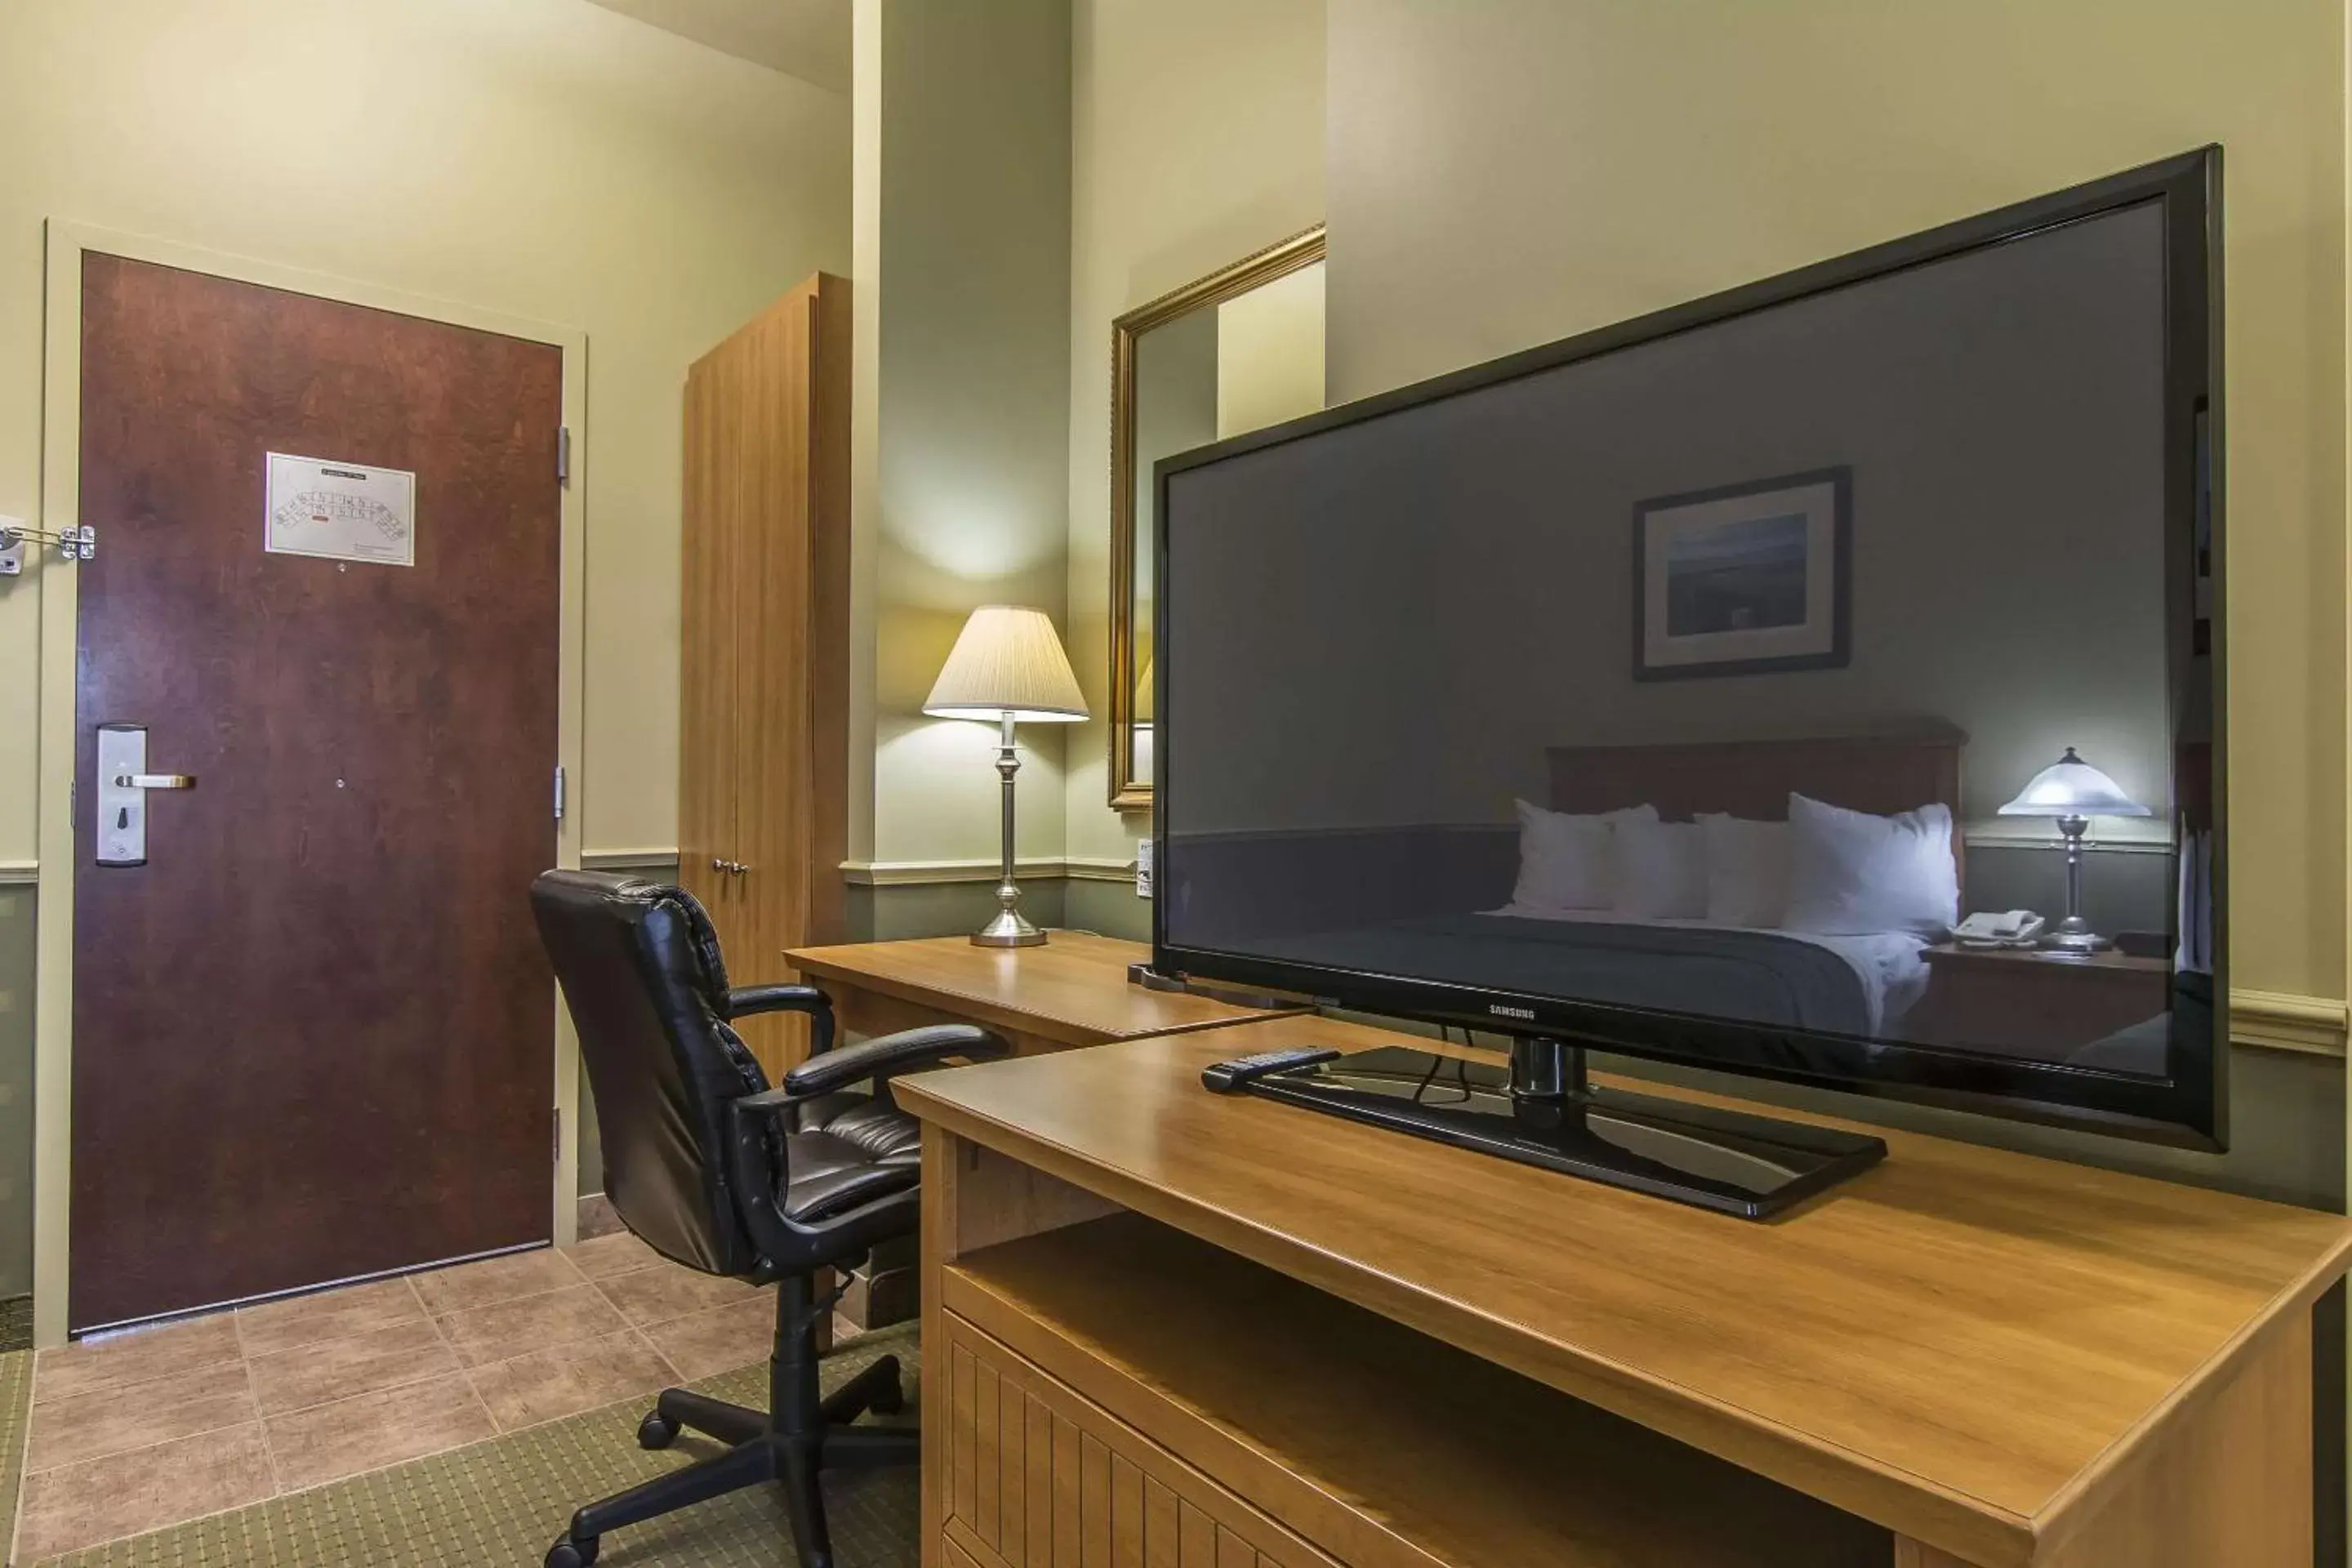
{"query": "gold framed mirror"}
[(1234, 352)]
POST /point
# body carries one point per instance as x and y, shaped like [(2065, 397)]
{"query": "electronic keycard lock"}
[(123, 781)]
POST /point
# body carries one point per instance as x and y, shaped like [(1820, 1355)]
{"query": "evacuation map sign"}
[(343, 511)]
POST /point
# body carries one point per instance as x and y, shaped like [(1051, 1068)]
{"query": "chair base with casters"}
[(794, 1441), (715, 1170)]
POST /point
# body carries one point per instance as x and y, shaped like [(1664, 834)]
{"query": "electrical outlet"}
[(1143, 868)]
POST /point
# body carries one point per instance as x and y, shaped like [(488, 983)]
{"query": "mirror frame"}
[(1302, 249)]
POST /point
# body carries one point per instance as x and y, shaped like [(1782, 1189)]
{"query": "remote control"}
[(1231, 1077)]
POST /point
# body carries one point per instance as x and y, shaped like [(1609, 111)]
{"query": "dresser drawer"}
[(1039, 1477)]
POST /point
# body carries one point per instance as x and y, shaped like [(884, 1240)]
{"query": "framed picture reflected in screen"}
[(1744, 578)]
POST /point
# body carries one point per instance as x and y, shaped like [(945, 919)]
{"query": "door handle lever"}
[(154, 781)]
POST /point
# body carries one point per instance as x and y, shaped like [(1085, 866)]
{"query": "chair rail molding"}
[(869, 873), (909, 873), (2285, 1021)]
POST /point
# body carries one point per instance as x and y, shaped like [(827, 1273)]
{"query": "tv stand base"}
[(1545, 1111)]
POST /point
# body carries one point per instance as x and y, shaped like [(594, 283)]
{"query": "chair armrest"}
[(756, 1159), (792, 1245), (840, 1068), (746, 1000)]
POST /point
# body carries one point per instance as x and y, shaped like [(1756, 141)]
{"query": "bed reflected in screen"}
[(1821, 689)]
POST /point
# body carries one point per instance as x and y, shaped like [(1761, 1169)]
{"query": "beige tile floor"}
[(157, 1426)]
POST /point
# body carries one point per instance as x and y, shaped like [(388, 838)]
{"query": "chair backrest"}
[(640, 968)]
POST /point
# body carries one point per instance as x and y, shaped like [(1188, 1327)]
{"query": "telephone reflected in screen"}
[(2015, 928)]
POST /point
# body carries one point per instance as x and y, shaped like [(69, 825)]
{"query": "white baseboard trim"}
[(913, 873), (2284, 1021)]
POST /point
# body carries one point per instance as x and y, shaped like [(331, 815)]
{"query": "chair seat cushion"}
[(850, 1150)]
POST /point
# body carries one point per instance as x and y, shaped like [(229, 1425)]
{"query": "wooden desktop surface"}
[(1979, 1350), (1074, 991)]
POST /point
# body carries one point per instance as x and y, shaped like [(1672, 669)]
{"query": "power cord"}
[(1437, 1065)]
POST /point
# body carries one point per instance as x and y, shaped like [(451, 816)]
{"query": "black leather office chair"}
[(715, 1170)]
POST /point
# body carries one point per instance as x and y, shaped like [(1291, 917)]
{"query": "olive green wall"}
[(15, 1088)]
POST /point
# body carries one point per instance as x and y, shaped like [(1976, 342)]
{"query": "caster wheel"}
[(656, 1431), (570, 1553)]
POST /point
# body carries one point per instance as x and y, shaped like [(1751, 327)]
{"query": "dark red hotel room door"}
[(313, 1034)]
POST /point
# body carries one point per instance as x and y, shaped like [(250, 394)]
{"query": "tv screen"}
[(1819, 680)]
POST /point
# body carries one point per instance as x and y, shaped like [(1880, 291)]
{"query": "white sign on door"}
[(344, 512)]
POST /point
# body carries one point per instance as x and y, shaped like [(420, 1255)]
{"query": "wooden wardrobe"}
[(764, 698)]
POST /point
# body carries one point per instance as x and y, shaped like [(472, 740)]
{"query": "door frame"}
[(61, 603)]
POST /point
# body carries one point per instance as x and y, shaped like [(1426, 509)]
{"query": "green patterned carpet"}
[(16, 1323), (501, 1502)]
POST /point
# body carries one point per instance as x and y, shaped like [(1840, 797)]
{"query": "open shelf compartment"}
[(1375, 1443)]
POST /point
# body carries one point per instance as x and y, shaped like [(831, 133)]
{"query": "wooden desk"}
[(1962, 1359), (1073, 991)]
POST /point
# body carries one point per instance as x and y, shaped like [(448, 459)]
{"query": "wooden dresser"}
[(1168, 1327)]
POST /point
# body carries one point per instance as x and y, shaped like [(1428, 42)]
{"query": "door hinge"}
[(558, 792), (555, 1149), (563, 453), (73, 804)]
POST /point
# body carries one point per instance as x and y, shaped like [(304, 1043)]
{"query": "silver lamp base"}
[(1008, 929), (2074, 936)]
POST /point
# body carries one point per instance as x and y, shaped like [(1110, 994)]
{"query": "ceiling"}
[(806, 38)]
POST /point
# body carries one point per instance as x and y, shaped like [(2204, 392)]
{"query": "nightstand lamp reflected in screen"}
[(2072, 792), (1007, 666)]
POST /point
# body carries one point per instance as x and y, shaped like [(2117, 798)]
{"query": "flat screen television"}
[(1680, 689)]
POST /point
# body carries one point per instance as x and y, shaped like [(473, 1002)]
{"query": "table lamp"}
[(2074, 792), (1007, 665)]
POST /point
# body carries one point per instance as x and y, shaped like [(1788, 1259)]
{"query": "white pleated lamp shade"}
[(1007, 660), (2073, 787)]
